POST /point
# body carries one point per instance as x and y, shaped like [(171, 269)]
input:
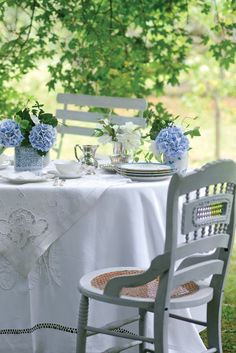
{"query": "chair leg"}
[(161, 331), (214, 323), (82, 323), (142, 314)]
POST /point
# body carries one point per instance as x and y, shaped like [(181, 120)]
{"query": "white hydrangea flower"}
[(35, 119), (105, 139), (129, 136), (153, 148), (106, 121), (128, 126)]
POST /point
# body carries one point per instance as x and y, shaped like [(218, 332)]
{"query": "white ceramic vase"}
[(178, 164)]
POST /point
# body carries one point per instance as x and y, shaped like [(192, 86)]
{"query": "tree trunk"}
[(216, 101), (217, 116)]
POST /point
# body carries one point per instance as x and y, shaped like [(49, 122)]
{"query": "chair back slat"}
[(203, 178), (202, 245), (86, 110), (197, 272), (102, 101), (74, 130), (93, 117)]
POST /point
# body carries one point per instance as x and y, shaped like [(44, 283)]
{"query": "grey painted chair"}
[(207, 225), (73, 111)]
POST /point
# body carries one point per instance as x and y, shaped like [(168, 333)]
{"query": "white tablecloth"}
[(91, 223)]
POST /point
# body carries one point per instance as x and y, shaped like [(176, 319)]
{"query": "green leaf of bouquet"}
[(98, 133), (41, 153), (48, 118), (24, 114), (37, 105), (109, 129), (25, 125), (194, 132), (25, 142)]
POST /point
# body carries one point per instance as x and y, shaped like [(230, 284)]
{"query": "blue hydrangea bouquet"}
[(32, 132), (169, 136), (29, 128), (172, 142)]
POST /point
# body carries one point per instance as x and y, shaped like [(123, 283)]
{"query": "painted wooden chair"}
[(73, 111), (207, 226)]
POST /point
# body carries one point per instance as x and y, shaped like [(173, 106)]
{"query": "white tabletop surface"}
[(66, 231)]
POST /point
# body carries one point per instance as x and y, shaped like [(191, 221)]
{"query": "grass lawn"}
[(229, 309)]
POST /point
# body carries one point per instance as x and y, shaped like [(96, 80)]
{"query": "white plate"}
[(157, 178), (144, 167), (148, 175), (24, 177), (4, 165)]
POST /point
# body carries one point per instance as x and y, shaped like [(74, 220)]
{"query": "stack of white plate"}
[(145, 171)]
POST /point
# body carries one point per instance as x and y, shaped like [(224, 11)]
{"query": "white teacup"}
[(67, 167)]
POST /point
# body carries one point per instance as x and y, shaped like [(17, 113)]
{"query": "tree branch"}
[(111, 14), (30, 25)]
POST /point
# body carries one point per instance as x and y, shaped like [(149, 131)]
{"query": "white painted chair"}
[(207, 227), (73, 111)]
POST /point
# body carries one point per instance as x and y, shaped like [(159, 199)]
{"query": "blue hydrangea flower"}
[(10, 134), (172, 142), (42, 137)]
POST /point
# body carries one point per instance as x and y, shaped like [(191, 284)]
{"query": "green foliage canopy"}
[(109, 47)]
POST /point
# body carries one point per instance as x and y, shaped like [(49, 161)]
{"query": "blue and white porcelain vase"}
[(179, 164), (27, 158)]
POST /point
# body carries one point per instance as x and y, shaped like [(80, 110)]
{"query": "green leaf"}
[(48, 118), (194, 132), (25, 124)]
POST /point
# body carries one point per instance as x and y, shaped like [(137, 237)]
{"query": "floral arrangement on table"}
[(29, 128), (169, 138), (127, 135), (32, 130)]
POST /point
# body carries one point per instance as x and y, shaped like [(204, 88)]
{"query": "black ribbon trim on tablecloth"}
[(48, 325), (16, 331)]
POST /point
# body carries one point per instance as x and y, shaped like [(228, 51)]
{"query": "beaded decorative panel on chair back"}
[(207, 220), (209, 212)]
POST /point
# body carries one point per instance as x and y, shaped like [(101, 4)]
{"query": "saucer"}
[(69, 176), (24, 177), (59, 175)]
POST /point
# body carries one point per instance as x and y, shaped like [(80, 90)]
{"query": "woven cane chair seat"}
[(148, 290)]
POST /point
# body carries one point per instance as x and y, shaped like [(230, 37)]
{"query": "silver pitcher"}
[(88, 157)]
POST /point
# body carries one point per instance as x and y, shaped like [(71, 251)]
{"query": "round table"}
[(52, 235)]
